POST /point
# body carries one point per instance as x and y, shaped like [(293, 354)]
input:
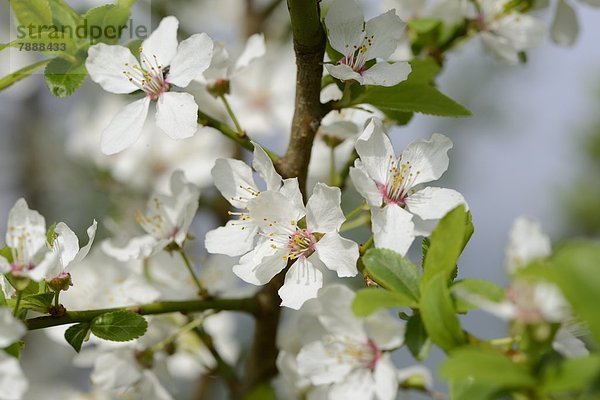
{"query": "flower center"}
[(349, 351), (301, 244), (148, 76), (155, 223), (400, 180), (356, 57)]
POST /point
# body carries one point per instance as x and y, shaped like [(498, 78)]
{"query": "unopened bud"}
[(61, 282), (219, 88), (145, 358)]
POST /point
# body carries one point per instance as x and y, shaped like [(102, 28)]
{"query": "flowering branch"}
[(248, 305)]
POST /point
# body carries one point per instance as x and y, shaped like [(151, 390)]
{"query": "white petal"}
[(386, 74), (177, 115), (569, 345), (386, 31), (565, 28), (234, 180), (218, 65), (302, 282), (106, 65), (91, 232), (522, 31), (11, 329), (384, 330), (27, 224), (276, 209), (500, 47), (115, 370), (344, 22), (264, 166), (137, 248), (527, 242), (317, 364), (291, 190), (260, 265), (344, 73), (13, 383), (375, 151), (323, 211), (386, 380), (255, 48), (392, 228), (48, 263), (359, 384), (428, 157), (231, 239), (182, 205), (433, 202), (162, 43), (366, 186), (338, 254), (192, 59), (336, 314), (416, 370), (66, 243), (125, 128)]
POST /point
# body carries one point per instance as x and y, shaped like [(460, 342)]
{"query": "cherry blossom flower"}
[(167, 220), (11, 329), (163, 65), (310, 248), (360, 42), (337, 355), (32, 256), (13, 383), (507, 34), (234, 179), (400, 210)]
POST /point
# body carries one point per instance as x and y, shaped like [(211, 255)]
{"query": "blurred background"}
[(532, 146)]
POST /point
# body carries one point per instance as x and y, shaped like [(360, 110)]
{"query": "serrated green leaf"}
[(38, 302), (32, 12), (576, 270), (439, 316), (477, 287), (119, 326), (75, 335), (487, 367), (446, 244), (63, 15), (412, 98), (109, 16), (416, 338), (394, 272), (23, 73), (369, 300), (423, 71), (64, 78), (468, 389)]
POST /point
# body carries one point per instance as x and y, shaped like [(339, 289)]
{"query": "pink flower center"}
[(301, 244), (149, 76), (400, 180)]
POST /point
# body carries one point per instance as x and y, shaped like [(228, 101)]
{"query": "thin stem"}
[(332, 171), (184, 329), (240, 131), (366, 245), (201, 289), (56, 298), (356, 211), (355, 223), (248, 305), (245, 142), (18, 303)]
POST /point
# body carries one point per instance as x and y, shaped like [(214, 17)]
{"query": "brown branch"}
[(309, 46)]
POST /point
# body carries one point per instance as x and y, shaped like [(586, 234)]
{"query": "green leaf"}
[(477, 287), (416, 338), (262, 392), (15, 349), (32, 12), (38, 302), (410, 97), (7, 254), (487, 367), (394, 272), (439, 316), (446, 244), (423, 71), (468, 389), (23, 73), (369, 300), (75, 335), (119, 326), (106, 21), (577, 272), (424, 25), (64, 78), (63, 15), (572, 374)]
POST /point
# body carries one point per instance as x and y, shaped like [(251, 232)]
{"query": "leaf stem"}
[(18, 303), (193, 324), (355, 223), (356, 211)]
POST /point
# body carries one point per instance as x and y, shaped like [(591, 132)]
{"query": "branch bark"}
[(309, 46)]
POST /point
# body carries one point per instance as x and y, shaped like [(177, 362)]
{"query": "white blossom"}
[(13, 383), (400, 209), (163, 65), (11, 328), (359, 42)]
